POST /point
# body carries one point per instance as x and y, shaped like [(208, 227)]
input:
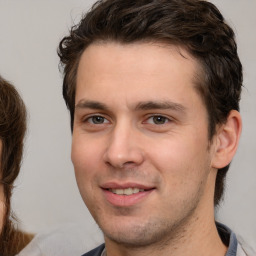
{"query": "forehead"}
[(112, 66)]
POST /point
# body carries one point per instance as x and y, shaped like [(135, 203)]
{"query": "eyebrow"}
[(91, 104), (160, 105), (147, 105)]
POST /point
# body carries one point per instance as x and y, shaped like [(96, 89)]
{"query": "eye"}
[(97, 120), (158, 120)]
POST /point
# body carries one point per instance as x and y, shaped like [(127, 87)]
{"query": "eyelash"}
[(152, 117), (87, 120)]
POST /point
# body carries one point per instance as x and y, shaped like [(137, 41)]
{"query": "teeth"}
[(118, 191), (126, 191)]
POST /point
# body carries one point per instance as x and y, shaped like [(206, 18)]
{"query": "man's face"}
[(140, 145)]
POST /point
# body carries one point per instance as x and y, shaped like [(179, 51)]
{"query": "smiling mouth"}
[(126, 191), (126, 195)]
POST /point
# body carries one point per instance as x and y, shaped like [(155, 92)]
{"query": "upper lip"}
[(120, 185)]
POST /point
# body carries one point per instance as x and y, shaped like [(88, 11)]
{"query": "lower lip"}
[(124, 200)]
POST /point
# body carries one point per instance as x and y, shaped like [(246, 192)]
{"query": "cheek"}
[(181, 160), (85, 152), (82, 161), (183, 173), (2, 207), (86, 157)]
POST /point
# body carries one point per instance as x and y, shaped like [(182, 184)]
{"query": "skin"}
[(1, 194), (140, 123)]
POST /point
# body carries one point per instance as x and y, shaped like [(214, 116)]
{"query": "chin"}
[(137, 234)]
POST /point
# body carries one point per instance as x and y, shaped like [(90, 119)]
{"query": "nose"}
[(124, 149)]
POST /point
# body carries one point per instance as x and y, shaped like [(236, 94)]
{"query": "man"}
[(153, 89)]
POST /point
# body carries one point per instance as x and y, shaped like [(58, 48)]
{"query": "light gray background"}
[(46, 194)]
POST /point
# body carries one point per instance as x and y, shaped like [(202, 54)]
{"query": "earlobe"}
[(227, 140)]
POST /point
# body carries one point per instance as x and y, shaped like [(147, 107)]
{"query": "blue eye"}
[(158, 120), (97, 120)]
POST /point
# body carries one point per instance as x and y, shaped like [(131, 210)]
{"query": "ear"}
[(227, 139)]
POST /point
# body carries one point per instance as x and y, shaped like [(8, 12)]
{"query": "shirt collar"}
[(228, 238)]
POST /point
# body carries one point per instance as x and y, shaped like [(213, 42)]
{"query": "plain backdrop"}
[(46, 194)]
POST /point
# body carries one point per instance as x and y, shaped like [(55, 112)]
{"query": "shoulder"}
[(243, 249), (71, 239), (236, 245), (95, 252), (15, 241)]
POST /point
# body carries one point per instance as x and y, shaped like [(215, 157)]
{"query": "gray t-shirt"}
[(68, 240)]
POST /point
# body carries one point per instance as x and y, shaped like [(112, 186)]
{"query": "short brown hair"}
[(12, 132), (196, 25)]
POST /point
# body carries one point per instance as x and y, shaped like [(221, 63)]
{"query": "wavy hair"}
[(12, 131)]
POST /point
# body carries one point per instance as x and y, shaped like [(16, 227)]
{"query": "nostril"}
[(120, 155), (128, 163)]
